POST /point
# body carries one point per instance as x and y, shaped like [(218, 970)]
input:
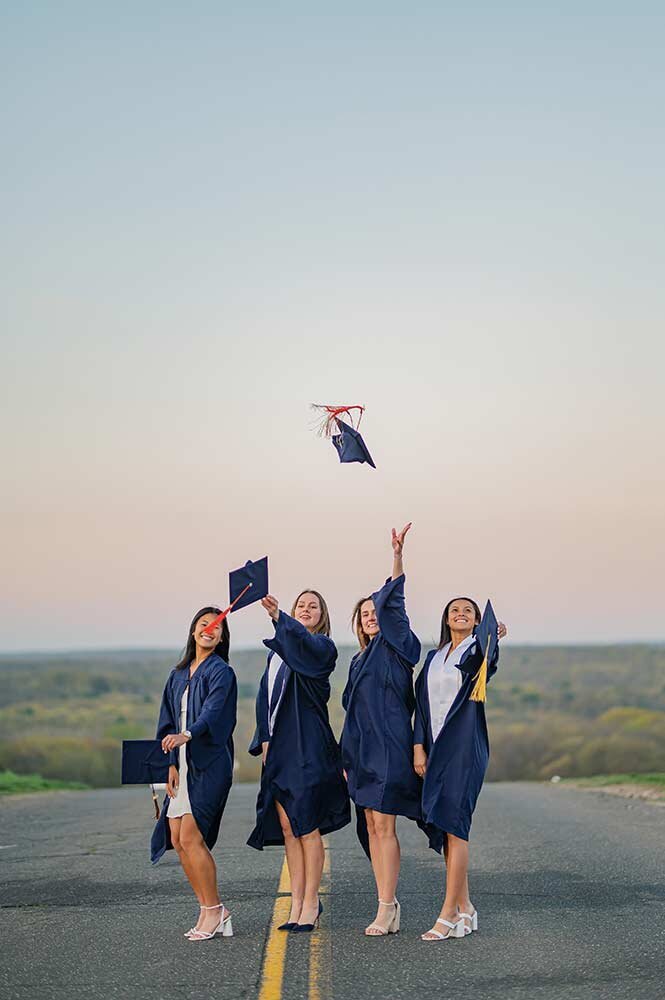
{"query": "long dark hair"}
[(446, 637), (222, 647)]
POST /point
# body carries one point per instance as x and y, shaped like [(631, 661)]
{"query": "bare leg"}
[(385, 854), (190, 872), (314, 856), (457, 887), (205, 872), (295, 860)]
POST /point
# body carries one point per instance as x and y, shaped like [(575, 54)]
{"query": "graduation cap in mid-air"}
[(350, 445), (487, 637), (246, 585), (144, 763), (345, 436)]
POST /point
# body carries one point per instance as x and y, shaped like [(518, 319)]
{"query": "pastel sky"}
[(215, 214)]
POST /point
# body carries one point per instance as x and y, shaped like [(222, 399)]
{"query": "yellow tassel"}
[(479, 692)]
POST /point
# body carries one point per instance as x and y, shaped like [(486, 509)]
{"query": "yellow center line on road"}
[(274, 959)]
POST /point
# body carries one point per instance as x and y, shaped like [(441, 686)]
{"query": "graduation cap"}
[(344, 433), (246, 585), (144, 763), (487, 637), (350, 445)]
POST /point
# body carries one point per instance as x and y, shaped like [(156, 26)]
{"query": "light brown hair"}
[(357, 625), (323, 626)]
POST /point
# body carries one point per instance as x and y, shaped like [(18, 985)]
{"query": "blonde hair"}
[(323, 625), (357, 624)]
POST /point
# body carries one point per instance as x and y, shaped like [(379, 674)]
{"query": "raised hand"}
[(398, 540), (502, 631), (271, 605)]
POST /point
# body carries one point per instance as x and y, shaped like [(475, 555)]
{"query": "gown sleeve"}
[(262, 731), (346, 694), (306, 654), (214, 715), (391, 615), (166, 723), (420, 720)]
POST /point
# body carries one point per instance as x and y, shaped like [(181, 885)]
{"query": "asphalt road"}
[(569, 886)]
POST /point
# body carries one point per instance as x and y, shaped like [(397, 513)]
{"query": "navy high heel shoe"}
[(288, 926), (309, 927)]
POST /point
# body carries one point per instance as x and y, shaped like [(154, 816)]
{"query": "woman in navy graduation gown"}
[(451, 753), (196, 723), (303, 793), (377, 739)]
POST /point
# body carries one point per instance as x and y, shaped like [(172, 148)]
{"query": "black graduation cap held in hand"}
[(350, 445), (144, 763), (246, 585), (487, 637)]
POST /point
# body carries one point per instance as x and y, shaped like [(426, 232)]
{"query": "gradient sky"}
[(215, 214)]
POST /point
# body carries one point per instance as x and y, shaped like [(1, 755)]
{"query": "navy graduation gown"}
[(457, 760), (377, 739), (211, 719), (303, 769)]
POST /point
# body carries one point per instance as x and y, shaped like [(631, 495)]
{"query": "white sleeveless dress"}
[(179, 806)]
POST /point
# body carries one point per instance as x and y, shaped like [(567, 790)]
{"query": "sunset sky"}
[(215, 214)]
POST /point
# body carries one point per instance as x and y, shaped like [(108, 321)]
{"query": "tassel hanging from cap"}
[(155, 801), (479, 692), (327, 417)]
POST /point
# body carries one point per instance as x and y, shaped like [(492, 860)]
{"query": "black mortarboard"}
[(246, 585), (145, 763), (487, 637), (252, 578), (350, 445)]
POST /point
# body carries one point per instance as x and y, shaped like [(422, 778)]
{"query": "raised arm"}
[(394, 626), (306, 654), (398, 548)]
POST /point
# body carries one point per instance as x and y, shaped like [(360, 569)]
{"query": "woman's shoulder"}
[(215, 664)]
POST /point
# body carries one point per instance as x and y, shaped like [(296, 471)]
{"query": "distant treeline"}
[(571, 711)]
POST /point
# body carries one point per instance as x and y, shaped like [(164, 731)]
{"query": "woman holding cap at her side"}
[(303, 793), (196, 723), (377, 739), (451, 750)]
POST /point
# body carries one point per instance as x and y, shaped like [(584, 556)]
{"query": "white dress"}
[(179, 806), (444, 681)]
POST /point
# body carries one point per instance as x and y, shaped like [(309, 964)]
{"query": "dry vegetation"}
[(551, 710)]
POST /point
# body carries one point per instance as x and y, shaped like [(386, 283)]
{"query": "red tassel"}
[(329, 414)]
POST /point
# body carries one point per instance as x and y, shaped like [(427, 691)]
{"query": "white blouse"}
[(444, 681), (273, 670)]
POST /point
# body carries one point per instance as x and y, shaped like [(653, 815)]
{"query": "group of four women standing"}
[(430, 771)]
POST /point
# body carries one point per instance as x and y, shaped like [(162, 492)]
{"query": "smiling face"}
[(307, 610), (370, 625), (461, 617), (204, 641)]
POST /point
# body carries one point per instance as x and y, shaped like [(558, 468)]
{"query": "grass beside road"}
[(18, 784), (599, 780)]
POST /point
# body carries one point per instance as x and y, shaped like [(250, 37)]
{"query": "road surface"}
[(569, 886)]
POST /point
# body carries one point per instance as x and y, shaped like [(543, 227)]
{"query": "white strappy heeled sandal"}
[(455, 930), (472, 918), (393, 926), (224, 927)]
